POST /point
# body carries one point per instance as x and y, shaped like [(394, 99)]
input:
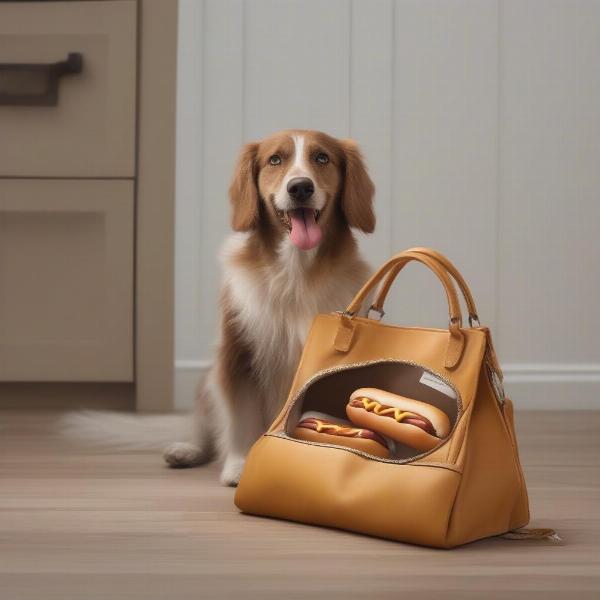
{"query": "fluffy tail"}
[(120, 432)]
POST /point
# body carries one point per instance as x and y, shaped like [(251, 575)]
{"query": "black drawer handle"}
[(35, 84)]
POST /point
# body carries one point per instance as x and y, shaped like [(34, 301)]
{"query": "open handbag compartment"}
[(328, 392)]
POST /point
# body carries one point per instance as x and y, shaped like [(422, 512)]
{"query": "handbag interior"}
[(330, 394)]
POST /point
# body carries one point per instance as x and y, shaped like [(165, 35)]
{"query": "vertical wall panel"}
[(550, 209), (190, 338), (189, 206), (222, 118), (371, 110), (296, 66), (445, 150)]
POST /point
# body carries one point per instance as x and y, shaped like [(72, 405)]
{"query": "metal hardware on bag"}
[(455, 320), (495, 379), (345, 313), (474, 317), (497, 385), (380, 311)]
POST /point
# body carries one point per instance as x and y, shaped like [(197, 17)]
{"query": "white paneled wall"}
[(480, 121)]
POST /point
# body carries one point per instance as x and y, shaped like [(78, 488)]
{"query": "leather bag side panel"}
[(520, 514), (491, 485), (315, 484)]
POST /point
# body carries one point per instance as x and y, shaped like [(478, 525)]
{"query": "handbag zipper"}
[(325, 372), (494, 378)]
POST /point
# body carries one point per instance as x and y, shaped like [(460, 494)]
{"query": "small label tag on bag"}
[(532, 534), (437, 384)]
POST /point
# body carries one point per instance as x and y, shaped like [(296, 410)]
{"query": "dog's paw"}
[(182, 454), (232, 470)]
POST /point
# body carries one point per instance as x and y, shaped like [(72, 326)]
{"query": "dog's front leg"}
[(241, 397), (244, 428)]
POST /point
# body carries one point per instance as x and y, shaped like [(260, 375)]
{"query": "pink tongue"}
[(305, 234)]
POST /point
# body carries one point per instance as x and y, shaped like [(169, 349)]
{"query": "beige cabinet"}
[(66, 280), (87, 128), (91, 130)]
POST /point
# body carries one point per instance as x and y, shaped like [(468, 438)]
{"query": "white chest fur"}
[(275, 307)]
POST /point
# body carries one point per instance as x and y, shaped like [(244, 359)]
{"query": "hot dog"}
[(416, 424), (325, 429)]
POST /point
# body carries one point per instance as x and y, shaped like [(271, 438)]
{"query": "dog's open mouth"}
[(302, 225)]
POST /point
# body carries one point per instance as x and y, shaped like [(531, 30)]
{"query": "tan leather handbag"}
[(469, 487)]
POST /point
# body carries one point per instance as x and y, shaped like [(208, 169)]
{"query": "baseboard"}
[(526, 372), (531, 386), (55, 395), (553, 386)]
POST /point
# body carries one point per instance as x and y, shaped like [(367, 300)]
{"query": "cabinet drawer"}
[(90, 131), (66, 280)]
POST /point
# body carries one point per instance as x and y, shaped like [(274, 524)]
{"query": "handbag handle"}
[(379, 301), (456, 339)]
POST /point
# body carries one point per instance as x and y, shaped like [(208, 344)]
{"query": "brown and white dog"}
[(295, 196)]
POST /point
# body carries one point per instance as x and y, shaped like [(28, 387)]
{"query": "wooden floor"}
[(78, 525)]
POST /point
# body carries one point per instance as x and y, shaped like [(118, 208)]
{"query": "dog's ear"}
[(243, 191), (358, 190)]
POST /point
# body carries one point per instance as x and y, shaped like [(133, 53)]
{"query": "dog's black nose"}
[(300, 189)]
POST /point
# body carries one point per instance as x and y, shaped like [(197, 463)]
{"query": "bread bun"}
[(325, 429), (404, 420)]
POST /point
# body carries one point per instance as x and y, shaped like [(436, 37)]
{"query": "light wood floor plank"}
[(79, 525)]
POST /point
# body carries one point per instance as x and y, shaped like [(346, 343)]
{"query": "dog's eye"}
[(275, 160), (322, 158)]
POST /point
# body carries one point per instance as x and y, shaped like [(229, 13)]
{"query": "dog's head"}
[(301, 183)]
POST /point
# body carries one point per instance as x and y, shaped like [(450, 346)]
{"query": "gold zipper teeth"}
[(331, 370), (393, 461), (495, 381)]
